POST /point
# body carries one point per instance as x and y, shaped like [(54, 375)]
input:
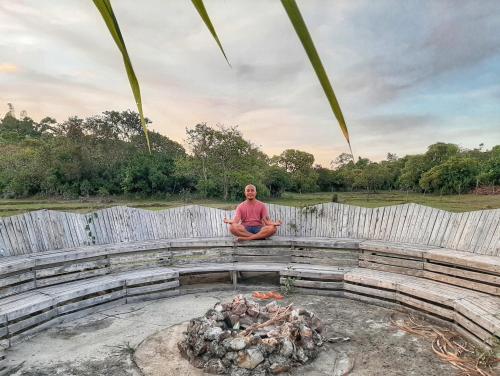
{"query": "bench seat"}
[(475, 312)]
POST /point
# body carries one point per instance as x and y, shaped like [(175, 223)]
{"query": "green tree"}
[(277, 180), (299, 164), (149, 174), (455, 175), (220, 155)]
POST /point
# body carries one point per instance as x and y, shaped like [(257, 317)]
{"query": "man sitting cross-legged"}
[(251, 221)]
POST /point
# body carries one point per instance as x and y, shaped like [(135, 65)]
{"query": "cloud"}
[(8, 68), (402, 71)]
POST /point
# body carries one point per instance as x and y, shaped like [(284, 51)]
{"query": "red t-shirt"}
[(251, 213)]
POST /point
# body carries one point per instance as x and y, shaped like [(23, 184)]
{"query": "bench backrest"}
[(46, 230)]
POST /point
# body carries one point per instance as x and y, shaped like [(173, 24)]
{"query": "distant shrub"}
[(335, 197)]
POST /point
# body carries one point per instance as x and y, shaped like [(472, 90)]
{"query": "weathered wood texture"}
[(45, 230)]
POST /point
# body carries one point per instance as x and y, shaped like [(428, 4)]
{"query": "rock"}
[(234, 319), (199, 347), (272, 307), (270, 345), (213, 333), (250, 359), (286, 348), (236, 344), (231, 355), (216, 349), (214, 366), (253, 308), (219, 307), (279, 364), (239, 307), (301, 356)]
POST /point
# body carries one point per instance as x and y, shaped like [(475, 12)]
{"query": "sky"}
[(406, 73)]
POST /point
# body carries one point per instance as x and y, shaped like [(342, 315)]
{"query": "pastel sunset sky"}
[(407, 73)]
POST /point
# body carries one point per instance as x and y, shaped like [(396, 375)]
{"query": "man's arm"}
[(236, 219), (267, 222)]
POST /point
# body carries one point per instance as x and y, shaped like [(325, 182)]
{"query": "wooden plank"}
[(21, 237), (321, 285), (431, 224), (16, 278), (16, 247), (17, 289), (426, 306), (155, 295), (473, 328), (5, 244), (89, 302), (71, 267), (157, 287), (459, 272), (445, 226), (406, 250), (475, 312), (41, 230), (495, 290), (450, 229), (401, 220), (482, 226), (391, 268), (91, 310), (19, 306), (31, 321), (455, 238), (368, 222), (465, 259), (62, 278), (29, 233), (388, 260), (469, 230), (374, 278), (358, 289), (138, 277), (371, 300), (492, 237), (375, 225), (317, 274)]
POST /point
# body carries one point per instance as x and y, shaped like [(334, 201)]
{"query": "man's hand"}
[(278, 223), (228, 221)]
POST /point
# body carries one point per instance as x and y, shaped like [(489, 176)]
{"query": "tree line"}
[(106, 154)]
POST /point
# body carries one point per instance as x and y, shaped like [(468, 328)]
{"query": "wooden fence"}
[(44, 230)]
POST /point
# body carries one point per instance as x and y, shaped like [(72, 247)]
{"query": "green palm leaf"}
[(300, 27), (104, 7), (200, 7)]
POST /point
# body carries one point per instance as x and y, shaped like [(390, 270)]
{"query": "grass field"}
[(453, 203)]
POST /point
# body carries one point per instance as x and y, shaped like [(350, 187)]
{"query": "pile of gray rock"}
[(243, 338)]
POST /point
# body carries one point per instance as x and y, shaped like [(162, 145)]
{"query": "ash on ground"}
[(243, 338)]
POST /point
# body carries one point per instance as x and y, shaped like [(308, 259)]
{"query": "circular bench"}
[(459, 288)]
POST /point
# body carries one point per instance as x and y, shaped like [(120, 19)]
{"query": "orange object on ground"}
[(276, 295), (267, 295)]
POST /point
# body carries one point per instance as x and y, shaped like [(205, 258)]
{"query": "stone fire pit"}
[(243, 338)]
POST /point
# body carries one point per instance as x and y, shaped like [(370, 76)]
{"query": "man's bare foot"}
[(243, 238)]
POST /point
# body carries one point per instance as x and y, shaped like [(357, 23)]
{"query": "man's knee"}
[(270, 229), (235, 228)]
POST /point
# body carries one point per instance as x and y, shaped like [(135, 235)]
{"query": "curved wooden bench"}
[(461, 289)]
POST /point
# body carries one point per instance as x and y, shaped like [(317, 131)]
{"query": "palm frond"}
[(104, 7), (200, 7), (300, 27)]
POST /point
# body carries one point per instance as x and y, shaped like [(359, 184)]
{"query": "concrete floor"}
[(103, 343)]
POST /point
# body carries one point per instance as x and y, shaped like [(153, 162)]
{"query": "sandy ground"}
[(104, 343)]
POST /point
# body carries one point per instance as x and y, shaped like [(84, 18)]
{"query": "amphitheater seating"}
[(458, 287)]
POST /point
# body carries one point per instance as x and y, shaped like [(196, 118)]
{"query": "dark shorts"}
[(253, 229)]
